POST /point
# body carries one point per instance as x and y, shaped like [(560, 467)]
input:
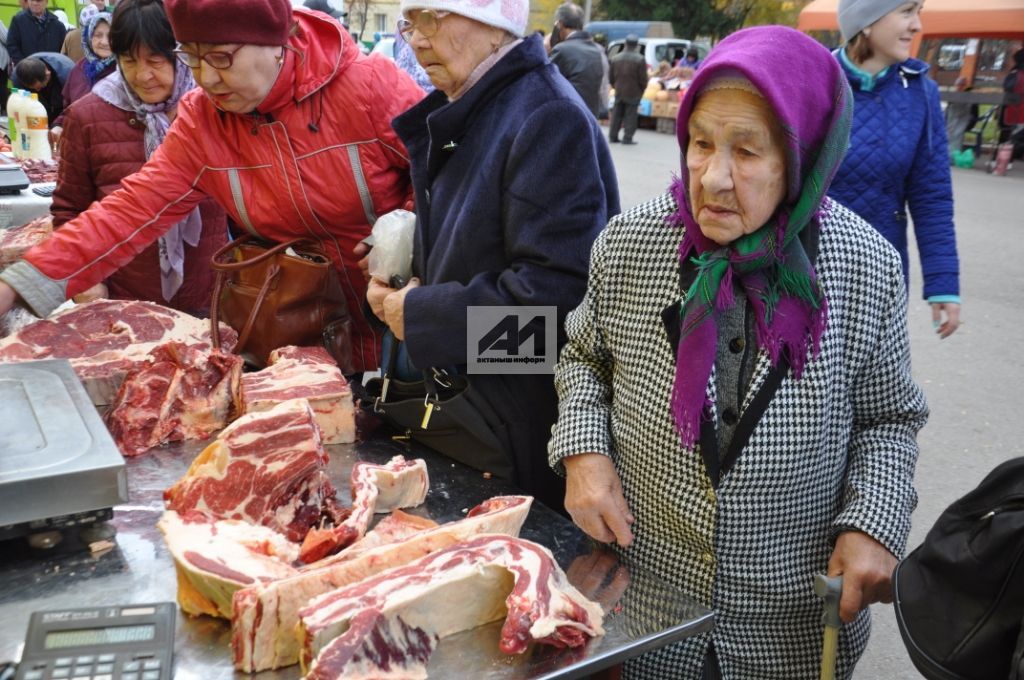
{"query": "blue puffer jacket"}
[(898, 158)]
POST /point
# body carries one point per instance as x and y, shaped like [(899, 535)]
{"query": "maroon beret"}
[(249, 22)]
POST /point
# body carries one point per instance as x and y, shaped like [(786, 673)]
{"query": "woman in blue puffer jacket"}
[(898, 156)]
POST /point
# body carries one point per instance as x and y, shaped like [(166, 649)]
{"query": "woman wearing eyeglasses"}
[(513, 182), (290, 134), (110, 133)]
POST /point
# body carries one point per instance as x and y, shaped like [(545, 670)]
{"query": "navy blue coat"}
[(513, 181), (898, 158), (28, 36)]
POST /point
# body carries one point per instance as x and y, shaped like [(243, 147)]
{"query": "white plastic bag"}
[(391, 255)]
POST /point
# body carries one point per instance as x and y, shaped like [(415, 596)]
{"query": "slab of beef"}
[(375, 488), (389, 624), (214, 558), (107, 339), (183, 393), (39, 171), (266, 468), (15, 242), (307, 372), (264, 615)]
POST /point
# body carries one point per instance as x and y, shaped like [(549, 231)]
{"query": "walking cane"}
[(829, 589)]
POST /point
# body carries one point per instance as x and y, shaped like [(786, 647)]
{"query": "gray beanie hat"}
[(856, 15)]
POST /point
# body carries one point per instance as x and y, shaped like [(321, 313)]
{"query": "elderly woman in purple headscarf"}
[(737, 411), (111, 132)]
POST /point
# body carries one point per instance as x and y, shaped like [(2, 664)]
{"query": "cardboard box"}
[(673, 110), (660, 110)]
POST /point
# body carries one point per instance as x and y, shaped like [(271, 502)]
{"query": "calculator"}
[(45, 190), (129, 642)]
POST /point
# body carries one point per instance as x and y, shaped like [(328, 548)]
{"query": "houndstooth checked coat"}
[(834, 450)]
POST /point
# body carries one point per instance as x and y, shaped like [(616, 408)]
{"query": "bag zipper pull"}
[(430, 400), (430, 406)]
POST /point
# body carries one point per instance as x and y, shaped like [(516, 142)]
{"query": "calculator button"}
[(131, 666), (61, 673), (106, 658), (105, 676), (152, 665), (63, 661), (105, 668), (85, 659), (151, 675), (34, 675), (82, 677), (83, 670), (129, 676)]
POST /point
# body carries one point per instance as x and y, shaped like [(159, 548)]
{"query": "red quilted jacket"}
[(320, 160), (102, 145)]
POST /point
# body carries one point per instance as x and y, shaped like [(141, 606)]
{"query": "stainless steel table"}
[(642, 611)]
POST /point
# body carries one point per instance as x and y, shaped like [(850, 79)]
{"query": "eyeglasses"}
[(217, 59), (426, 22)]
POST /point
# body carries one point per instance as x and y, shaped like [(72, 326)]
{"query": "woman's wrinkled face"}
[(150, 74), (736, 162), (243, 85), (458, 47), (891, 36), (100, 40)]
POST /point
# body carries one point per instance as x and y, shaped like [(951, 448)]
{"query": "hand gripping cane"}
[(829, 589)]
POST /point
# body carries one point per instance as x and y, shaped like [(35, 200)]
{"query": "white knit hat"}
[(510, 15)]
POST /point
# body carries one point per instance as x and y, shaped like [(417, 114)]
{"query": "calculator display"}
[(99, 636)]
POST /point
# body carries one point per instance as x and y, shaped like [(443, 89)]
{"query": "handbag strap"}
[(218, 264)]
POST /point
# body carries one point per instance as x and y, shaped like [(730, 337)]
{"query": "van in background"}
[(656, 50), (618, 30)]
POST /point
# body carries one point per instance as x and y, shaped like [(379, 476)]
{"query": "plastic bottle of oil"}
[(35, 132)]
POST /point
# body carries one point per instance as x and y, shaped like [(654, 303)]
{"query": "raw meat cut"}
[(15, 242), (307, 372), (214, 558), (390, 623), (264, 615), (265, 468), (184, 393), (106, 339), (38, 170), (375, 488)]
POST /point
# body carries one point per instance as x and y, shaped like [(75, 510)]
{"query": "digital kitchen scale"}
[(59, 466), (122, 642), (12, 178)]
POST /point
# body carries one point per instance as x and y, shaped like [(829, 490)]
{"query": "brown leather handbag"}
[(277, 295)]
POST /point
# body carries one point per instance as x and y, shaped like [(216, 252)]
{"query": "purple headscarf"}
[(115, 91), (814, 111)]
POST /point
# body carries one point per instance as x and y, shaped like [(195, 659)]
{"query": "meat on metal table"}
[(642, 611)]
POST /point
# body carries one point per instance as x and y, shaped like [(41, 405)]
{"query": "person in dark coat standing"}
[(577, 56), (34, 29), (628, 76), (513, 181)]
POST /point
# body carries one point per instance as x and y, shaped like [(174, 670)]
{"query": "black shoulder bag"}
[(442, 412), (959, 597)]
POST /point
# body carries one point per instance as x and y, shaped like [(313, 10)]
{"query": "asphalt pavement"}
[(972, 379)]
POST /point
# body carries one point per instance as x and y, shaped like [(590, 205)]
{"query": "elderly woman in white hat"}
[(513, 180)]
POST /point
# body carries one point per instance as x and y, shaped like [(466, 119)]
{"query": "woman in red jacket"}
[(110, 133), (290, 133)]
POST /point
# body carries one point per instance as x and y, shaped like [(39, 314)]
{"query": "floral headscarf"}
[(770, 264), (94, 65)]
